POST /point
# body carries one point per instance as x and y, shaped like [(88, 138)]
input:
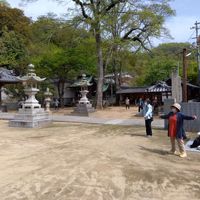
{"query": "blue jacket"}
[(180, 118)]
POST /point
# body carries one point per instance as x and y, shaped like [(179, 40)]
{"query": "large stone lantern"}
[(30, 81), (31, 114)]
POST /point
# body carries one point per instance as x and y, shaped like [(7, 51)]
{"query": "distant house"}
[(160, 91)]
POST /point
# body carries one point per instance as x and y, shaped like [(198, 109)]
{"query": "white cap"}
[(198, 133), (177, 106)]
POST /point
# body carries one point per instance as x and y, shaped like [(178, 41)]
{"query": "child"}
[(175, 128)]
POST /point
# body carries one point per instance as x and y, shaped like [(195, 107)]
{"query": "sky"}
[(187, 13)]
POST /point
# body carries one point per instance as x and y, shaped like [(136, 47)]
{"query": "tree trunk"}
[(100, 70), (61, 88)]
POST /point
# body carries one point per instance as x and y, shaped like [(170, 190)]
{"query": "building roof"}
[(105, 87), (81, 82), (132, 90), (123, 75), (7, 76), (161, 86), (193, 86)]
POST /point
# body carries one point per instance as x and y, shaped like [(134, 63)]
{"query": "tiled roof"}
[(80, 82), (7, 76), (132, 90), (161, 86)]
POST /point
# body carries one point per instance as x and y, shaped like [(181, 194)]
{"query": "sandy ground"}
[(106, 113), (93, 162)]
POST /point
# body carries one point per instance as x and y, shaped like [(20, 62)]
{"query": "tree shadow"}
[(156, 151)]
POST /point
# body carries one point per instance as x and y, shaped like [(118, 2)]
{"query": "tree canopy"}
[(102, 37)]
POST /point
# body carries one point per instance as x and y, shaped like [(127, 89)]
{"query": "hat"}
[(198, 133), (177, 106)]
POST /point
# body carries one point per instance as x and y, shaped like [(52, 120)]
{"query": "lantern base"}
[(31, 118), (83, 109)]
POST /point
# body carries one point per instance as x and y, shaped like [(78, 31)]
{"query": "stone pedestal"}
[(84, 107), (83, 110), (29, 118)]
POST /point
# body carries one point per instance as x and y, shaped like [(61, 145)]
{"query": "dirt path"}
[(93, 162)]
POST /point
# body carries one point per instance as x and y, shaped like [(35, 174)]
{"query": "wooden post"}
[(184, 75)]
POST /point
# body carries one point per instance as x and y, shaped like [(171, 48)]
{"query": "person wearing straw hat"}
[(176, 130)]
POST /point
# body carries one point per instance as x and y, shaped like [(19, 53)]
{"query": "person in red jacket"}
[(175, 128)]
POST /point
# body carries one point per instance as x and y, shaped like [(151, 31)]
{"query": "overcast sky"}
[(187, 12)]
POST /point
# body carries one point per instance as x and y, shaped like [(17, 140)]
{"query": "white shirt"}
[(148, 112)]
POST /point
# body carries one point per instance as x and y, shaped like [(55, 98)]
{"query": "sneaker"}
[(149, 136), (174, 153), (183, 155)]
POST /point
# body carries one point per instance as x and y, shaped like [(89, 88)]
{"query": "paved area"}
[(73, 161), (135, 121)]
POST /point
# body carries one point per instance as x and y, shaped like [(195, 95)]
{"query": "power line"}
[(197, 28), (191, 36)]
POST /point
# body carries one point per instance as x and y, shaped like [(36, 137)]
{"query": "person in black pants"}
[(148, 116), (148, 127)]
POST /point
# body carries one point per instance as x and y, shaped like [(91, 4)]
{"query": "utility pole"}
[(197, 28), (184, 75)]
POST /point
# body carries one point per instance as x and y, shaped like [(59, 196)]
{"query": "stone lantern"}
[(84, 107), (31, 114), (47, 100), (84, 91), (30, 81)]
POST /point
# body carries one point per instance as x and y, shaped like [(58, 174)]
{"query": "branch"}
[(113, 3), (142, 44), (81, 4), (129, 32), (142, 30)]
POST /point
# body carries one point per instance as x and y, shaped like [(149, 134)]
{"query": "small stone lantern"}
[(47, 100), (84, 91)]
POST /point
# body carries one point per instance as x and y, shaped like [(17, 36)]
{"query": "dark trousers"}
[(148, 126), (127, 106), (139, 108)]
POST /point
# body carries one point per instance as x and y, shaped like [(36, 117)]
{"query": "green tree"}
[(14, 38), (12, 50), (59, 50), (131, 26), (143, 19), (164, 59), (93, 13)]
